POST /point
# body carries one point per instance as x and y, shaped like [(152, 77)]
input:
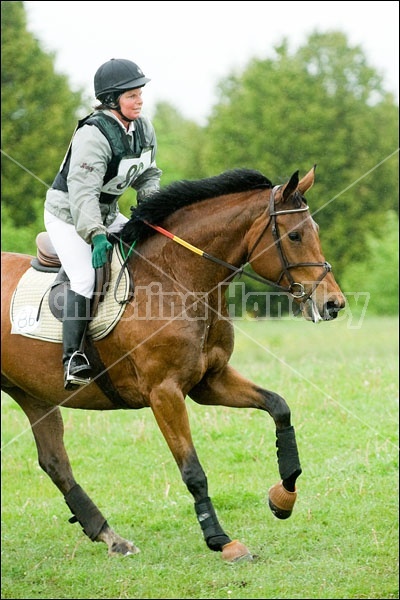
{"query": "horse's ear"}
[(307, 181), (291, 186), (295, 185)]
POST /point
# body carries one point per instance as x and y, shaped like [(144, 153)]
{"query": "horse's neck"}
[(215, 230), (217, 227)]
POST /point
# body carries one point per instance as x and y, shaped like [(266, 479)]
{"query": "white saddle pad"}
[(34, 288)]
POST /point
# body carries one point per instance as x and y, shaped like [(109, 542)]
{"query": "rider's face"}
[(131, 103)]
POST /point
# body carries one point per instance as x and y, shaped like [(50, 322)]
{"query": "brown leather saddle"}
[(47, 261)]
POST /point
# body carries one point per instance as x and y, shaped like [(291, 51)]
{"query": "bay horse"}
[(182, 247)]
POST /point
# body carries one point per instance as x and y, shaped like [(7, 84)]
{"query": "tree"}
[(38, 115), (322, 105), (379, 276), (180, 142)]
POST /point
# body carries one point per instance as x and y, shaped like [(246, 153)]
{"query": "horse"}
[(182, 248)]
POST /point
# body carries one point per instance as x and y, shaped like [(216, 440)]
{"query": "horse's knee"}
[(58, 471), (277, 408), (49, 464), (282, 416)]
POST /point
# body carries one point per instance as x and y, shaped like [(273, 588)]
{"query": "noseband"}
[(295, 289)]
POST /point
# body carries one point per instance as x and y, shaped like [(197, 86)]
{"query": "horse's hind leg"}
[(48, 430), (168, 405)]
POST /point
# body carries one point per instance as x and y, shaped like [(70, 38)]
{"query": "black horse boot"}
[(77, 369)]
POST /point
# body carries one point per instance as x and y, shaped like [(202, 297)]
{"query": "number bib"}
[(129, 169)]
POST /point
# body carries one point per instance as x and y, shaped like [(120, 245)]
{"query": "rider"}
[(111, 149)]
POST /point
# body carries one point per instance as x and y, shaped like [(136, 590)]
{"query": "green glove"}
[(101, 246)]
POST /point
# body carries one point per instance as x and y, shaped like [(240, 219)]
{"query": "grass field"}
[(341, 382)]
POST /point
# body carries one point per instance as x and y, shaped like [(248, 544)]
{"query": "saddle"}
[(47, 261)]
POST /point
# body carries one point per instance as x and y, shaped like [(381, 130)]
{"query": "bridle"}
[(295, 289)]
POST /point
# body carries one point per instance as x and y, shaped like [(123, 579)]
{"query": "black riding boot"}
[(77, 369)]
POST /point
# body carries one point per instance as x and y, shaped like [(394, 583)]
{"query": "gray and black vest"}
[(126, 163)]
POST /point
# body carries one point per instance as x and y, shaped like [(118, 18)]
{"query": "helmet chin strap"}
[(114, 105), (124, 118)]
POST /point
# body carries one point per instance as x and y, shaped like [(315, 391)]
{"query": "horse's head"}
[(284, 246)]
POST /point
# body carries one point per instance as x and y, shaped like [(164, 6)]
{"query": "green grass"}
[(341, 383)]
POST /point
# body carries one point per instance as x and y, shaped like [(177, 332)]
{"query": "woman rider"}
[(112, 149)]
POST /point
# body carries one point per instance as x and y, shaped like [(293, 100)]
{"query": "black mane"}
[(167, 200)]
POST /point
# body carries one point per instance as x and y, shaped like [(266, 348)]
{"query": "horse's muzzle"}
[(328, 312)]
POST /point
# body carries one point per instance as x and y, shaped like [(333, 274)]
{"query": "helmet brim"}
[(127, 85)]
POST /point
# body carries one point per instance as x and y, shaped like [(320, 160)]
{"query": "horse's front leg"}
[(228, 388), (48, 431), (168, 405)]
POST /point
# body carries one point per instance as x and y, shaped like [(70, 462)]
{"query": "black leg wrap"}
[(85, 511), (288, 456), (213, 534)]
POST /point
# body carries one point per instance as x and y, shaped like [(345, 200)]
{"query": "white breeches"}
[(74, 253)]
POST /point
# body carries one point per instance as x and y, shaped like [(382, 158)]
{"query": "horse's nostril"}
[(332, 308)]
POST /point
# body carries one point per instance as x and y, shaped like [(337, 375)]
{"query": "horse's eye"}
[(294, 236)]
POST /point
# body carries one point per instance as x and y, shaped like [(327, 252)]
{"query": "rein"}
[(192, 248), (295, 289)]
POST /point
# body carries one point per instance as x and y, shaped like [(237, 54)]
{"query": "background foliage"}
[(321, 105)]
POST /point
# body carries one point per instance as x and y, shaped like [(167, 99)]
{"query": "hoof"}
[(124, 548), (281, 501), (235, 552), (117, 545)]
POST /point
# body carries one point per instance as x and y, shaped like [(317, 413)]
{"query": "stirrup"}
[(72, 381)]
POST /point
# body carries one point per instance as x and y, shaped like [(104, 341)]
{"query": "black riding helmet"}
[(115, 77)]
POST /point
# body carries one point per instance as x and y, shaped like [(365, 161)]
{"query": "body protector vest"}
[(127, 161)]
